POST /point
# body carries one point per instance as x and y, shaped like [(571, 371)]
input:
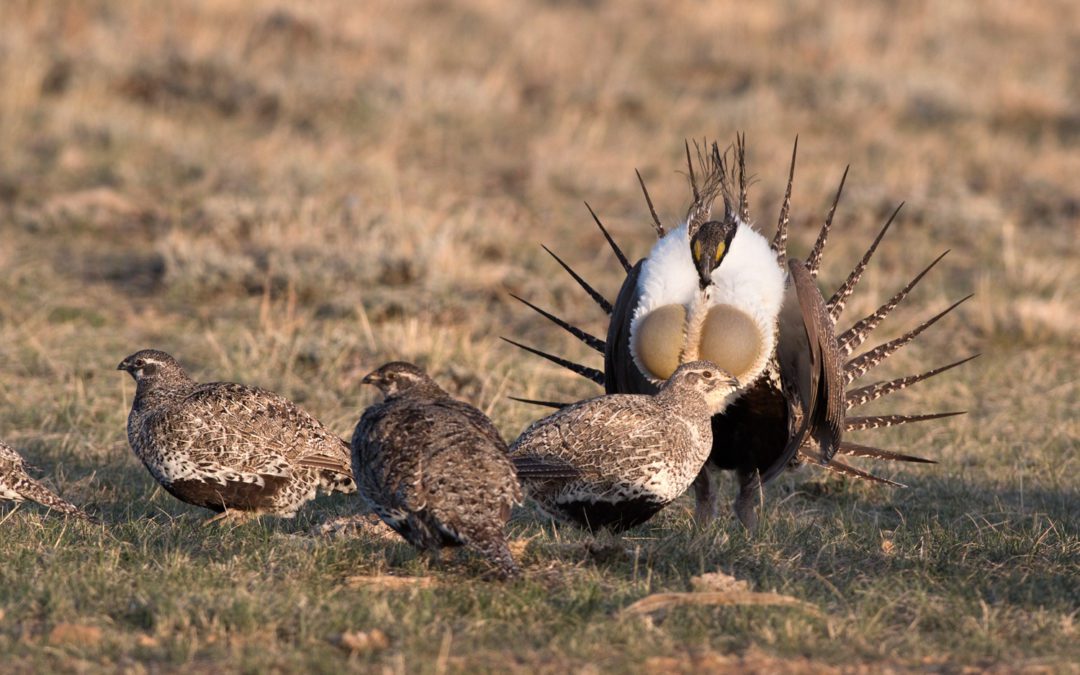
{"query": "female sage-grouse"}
[(17, 485), (233, 449), (615, 460), (765, 322), (435, 469)]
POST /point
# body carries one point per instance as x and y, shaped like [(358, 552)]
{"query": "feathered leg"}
[(750, 498), (705, 497)]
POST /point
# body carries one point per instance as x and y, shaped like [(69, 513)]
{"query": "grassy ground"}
[(290, 198)]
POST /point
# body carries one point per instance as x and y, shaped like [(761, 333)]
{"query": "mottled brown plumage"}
[(614, 461), (228, 447), (17, 485), (433, 468)]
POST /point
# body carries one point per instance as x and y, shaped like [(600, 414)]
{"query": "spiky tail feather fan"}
[(713, 167)]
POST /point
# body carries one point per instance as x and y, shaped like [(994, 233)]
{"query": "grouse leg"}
[(749, 499), (705, 497)]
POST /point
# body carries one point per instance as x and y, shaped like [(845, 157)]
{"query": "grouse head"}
[(708, 380), (149, 365), (710, 243), (399, 377)]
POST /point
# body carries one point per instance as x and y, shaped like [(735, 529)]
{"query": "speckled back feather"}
[(437, 471)]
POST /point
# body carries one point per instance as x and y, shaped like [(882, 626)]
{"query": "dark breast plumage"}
[(436, 470)]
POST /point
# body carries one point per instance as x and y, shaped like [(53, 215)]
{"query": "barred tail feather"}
[(740, 157), (779, 242), (837, 301), (883, 421), (863, 363), (856, 450), (813, 262), (872, 392), (848, 470), (852, 338)]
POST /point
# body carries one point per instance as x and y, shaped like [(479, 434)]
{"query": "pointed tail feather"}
[(848, 470), (856, 450), (850, 339), (883, 421), (779, 242), (611, 242), (813, 262), (872, 392), (584, 371), (837, 301), (740, 156), (34, 491), (591, 340), (544, 404), (658, 226), (593, 293), (714, 183), (690, 168), (859, 365)]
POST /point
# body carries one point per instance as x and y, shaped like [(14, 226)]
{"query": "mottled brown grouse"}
[(17, 485), (230, 448), (435, 469), (614, 461)]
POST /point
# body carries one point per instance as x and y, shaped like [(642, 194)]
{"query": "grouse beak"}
[(370, 378), (704, 274), (124, 365)]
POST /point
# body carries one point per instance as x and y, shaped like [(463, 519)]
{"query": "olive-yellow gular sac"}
[(658, 340), (731, 340)]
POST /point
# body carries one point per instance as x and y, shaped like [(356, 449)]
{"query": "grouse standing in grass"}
[(435, 469), (230, 448), (17, 485), (765, 321), (614, 461)]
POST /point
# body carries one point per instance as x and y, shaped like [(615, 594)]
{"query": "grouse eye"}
[(139, 363), (707, 374)]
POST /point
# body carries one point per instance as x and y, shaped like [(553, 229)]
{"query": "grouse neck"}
[(421, 390), (153, 392), (688, 400)]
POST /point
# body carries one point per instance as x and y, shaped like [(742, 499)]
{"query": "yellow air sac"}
[(730, 339), (658, 340)]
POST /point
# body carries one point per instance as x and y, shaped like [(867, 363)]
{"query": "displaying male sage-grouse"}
[(17, 485), (233, 449), (765, 321), (435, 469), (614, 461)]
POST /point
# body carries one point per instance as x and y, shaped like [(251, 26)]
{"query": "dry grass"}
[(291, 197)]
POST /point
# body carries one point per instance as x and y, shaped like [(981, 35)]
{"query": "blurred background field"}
[(289, 196)]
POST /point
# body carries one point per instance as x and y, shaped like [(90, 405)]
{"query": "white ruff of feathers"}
[(748, 279)]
